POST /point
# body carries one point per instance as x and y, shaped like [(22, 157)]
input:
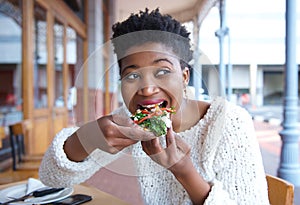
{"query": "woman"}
[(208, 156)]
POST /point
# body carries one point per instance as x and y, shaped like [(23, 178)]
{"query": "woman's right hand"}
[(119, 132), (110, 133)]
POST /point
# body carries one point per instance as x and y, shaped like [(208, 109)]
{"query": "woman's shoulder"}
[(223, 105), (224, 119), (221, 110), (230, 115)]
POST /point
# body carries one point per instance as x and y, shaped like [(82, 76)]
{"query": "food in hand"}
[(154, 118)]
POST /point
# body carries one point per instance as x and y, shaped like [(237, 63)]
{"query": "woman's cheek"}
[(127, 93)]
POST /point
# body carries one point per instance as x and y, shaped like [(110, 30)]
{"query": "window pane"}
[(79, 79), (58, 63), (40, 58), (71, 62)]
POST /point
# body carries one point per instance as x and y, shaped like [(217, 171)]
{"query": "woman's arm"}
[(104, 134), (197, 188), (77, 153), (176, 158), (58, 170)]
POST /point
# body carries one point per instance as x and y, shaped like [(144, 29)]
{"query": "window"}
[(58, 64), (40, 58), (10, 61)]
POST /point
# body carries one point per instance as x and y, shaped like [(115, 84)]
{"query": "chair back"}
[(17, 128), (280, 191), (17, 133), (2, 135)]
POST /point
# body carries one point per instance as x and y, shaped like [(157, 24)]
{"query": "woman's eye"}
[(132, 76), (162, 72)]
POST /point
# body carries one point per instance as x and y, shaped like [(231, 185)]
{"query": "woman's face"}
[(151, 74)]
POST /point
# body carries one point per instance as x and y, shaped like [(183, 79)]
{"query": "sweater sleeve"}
[(237, 163), (57, 170)]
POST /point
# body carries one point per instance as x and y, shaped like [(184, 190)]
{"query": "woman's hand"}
[(174, 157), (109, 133), (118, 132)]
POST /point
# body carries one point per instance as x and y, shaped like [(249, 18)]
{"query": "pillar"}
[(289, 168), (221, 33)]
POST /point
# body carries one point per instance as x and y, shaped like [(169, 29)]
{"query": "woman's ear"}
[(186, 75)]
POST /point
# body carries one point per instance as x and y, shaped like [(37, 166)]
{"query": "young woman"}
[(208, 156)]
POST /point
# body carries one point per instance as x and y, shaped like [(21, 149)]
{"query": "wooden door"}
[(46, 78)]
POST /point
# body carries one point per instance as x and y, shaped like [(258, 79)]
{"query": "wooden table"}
[(99, 197)]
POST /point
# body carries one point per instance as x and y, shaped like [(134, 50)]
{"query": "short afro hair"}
[(152, 27)]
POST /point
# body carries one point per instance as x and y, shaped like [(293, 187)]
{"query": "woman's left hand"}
[(173, 157), (176, 158)]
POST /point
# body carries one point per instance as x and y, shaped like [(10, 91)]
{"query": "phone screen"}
[(74, 200)]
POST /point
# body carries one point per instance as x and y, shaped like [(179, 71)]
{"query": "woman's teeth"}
[(150, 106)]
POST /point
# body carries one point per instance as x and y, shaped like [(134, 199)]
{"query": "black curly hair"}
[(143, 27)]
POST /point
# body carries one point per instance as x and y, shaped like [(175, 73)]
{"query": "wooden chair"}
[(20, 166), (280, 191), (21, 161)]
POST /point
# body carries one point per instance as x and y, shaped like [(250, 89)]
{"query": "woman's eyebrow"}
[(129, 66), (155, 61), (163, 59)]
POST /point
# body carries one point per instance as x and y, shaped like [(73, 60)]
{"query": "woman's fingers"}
[(103, 134), (174, 141), (135, 132), (182, 146), (118, 144), (152, 147), (131, 130), (121, 120), (170, 138), (176, 150)]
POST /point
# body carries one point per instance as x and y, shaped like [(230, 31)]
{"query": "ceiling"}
[(182, 10)]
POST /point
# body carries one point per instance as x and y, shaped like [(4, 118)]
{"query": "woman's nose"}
[(148, 90)]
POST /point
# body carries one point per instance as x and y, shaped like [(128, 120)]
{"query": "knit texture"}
[(224, 150)]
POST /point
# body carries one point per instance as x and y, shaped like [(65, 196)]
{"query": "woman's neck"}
[(191, 111)]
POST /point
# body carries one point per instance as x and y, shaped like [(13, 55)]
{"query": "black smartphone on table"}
[(74, 200)]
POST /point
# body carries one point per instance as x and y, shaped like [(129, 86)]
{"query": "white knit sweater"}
[(224, 151)]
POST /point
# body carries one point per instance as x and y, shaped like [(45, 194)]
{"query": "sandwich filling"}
[(154, 118)]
